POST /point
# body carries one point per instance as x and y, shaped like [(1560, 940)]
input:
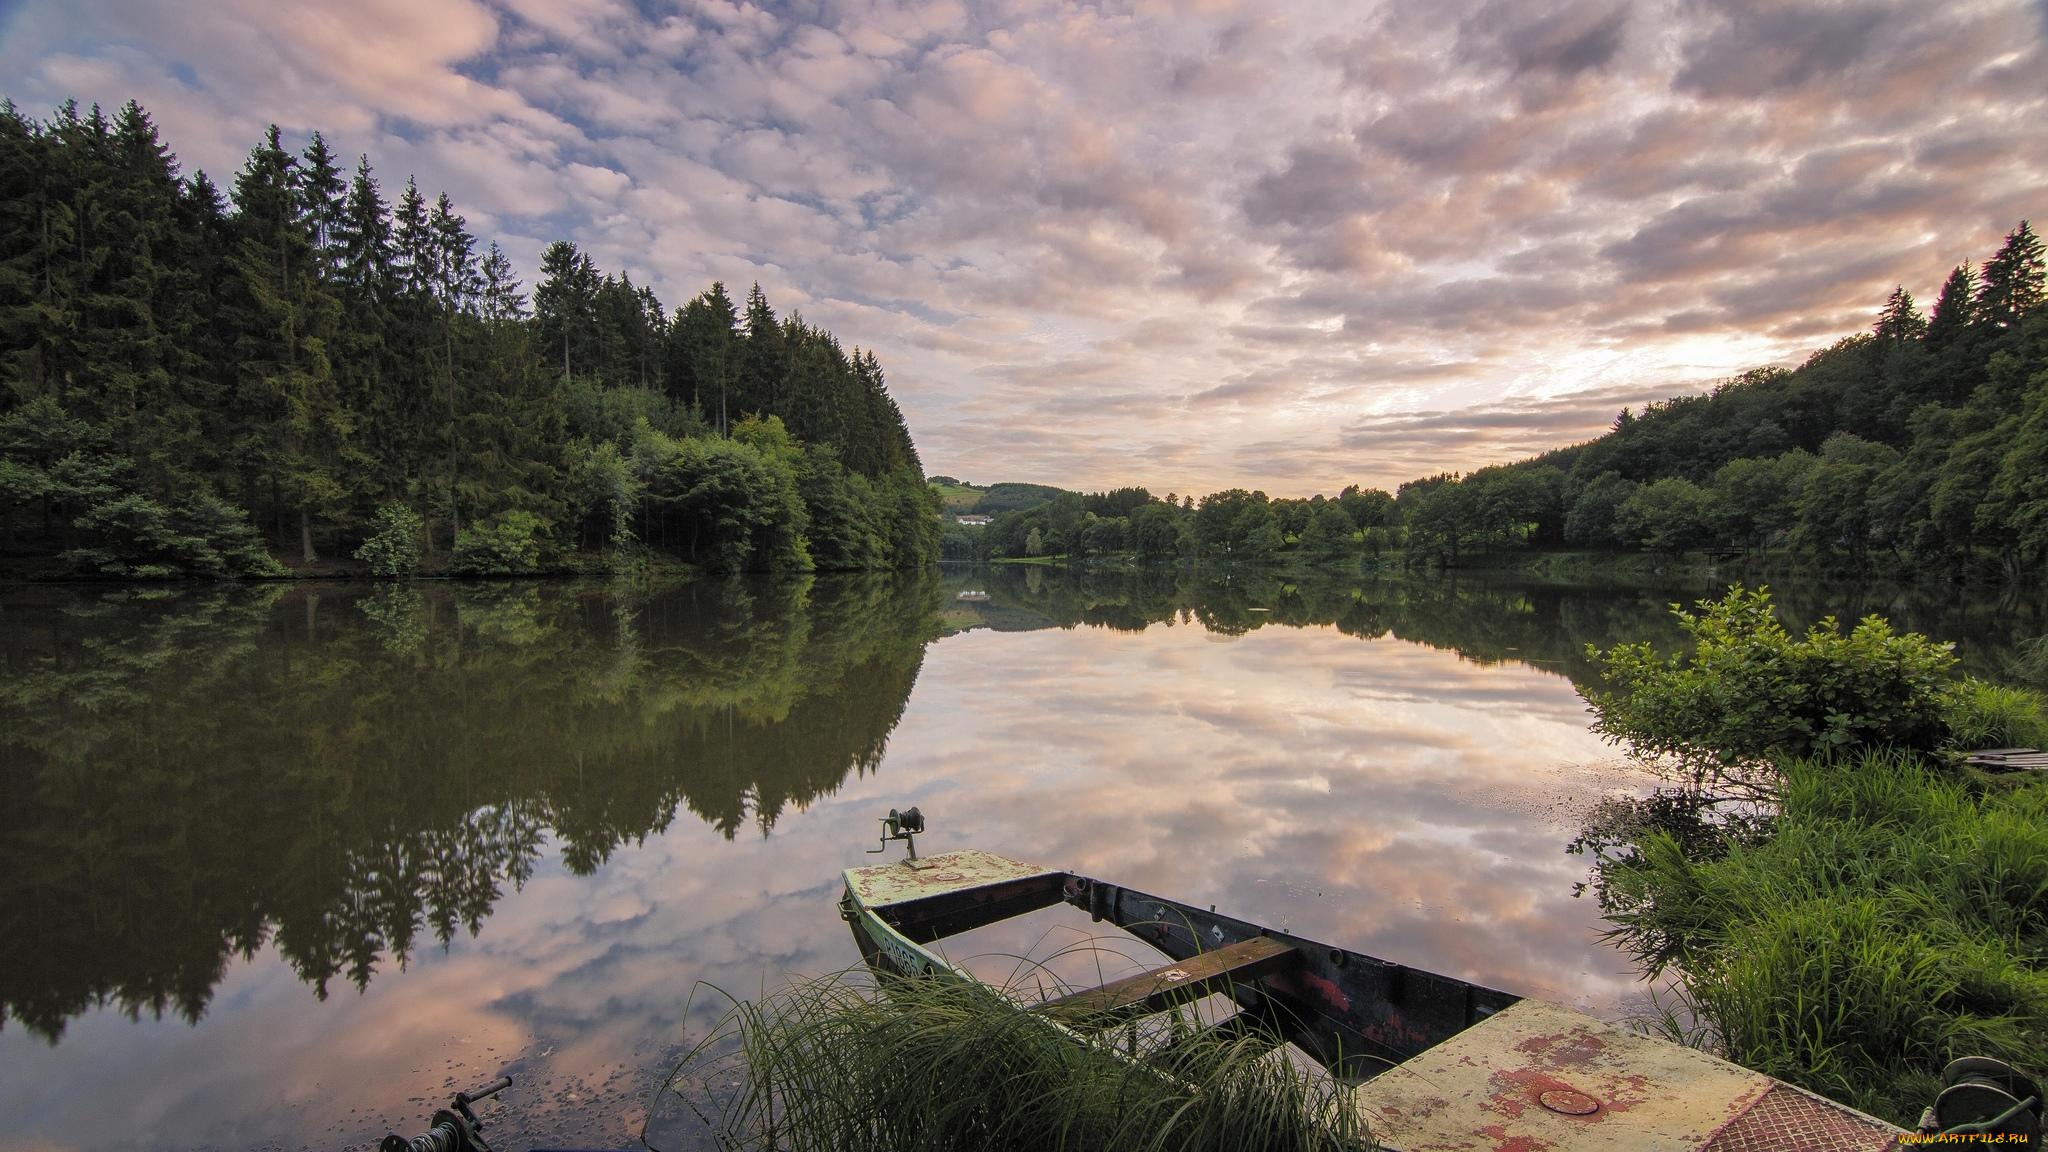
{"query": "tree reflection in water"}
[(185, 775)]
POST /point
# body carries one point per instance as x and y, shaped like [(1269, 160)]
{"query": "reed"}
[(936, 1064)]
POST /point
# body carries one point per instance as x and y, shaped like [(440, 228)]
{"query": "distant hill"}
[(961, 497), (955, 496)]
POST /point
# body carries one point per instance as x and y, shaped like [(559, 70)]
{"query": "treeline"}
[(1924, 440), (189, 380), (1235, 526)]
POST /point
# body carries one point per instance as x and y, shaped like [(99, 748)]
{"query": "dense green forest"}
[(191, 380), (1922, 441)]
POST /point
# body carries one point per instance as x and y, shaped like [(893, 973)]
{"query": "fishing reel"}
[(1983, 1096), (902, 826), (455, 1128)]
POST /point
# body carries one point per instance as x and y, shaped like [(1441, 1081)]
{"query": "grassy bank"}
[(1844, 903), (1891, 918)]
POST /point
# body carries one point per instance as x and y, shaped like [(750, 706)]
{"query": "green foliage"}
[(1591, 520), (1984, 715), (1750, 690), (1329, 534), (57, 469), (1667, 515), (1890, 922), (393, 547), (1001, 498), (1236, 527), (508, 544), (314, 353), (734, 503), (935, 1065)]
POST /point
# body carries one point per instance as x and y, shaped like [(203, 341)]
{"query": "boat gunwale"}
[(1354, 1013)]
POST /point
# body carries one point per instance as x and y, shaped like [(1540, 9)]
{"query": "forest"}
[(1921, 442), (300, 373)]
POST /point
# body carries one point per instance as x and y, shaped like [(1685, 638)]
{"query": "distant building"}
[(972, 521)]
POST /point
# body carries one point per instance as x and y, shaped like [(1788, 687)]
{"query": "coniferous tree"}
[(564, 306), (704, 354), (290, 427), (1954, 309), (369, 371), (2012, 279), (456, 284), (308, 354), (502, 301), (761, 357), (1900, 321), (322, 193)]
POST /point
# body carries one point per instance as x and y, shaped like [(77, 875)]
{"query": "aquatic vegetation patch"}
[(933, 1065)]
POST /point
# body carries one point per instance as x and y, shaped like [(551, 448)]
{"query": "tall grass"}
[(934, 1065), (1895, 919), (1985, 715)]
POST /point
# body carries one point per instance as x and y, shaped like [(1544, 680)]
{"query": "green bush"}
[(507, 544), (393, 547), (1750, 689)]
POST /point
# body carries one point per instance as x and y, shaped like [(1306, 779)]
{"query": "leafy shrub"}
[(393, 547), (1750, 689), (507, 544)]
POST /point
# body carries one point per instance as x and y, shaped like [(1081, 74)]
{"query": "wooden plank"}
[(1184, 980)]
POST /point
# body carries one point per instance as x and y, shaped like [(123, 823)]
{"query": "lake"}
[(286, 866)]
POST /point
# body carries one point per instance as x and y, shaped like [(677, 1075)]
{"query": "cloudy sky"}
[(1190, 244)]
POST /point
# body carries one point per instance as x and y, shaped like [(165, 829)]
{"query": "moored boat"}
[(1441, 1063)]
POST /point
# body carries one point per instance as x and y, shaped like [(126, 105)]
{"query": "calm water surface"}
[(286, 867)]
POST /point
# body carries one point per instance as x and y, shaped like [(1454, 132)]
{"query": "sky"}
[(1190, 245)]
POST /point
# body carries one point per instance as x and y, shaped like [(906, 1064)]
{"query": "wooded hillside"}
[(190, 380)]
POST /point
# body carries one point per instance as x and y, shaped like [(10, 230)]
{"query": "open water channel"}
[(286, 866)]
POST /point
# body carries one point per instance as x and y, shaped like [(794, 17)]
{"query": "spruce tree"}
[(761, 358), (322, 199), (2012, 280), (502, 300), (289, 425), (1900, 321), (565, 307), (703, 354), (23, 207)]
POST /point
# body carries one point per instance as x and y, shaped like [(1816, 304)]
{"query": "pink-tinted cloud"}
[(1252, 226)]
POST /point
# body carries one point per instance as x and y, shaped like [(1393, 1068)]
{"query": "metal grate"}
[(1788, 1120)]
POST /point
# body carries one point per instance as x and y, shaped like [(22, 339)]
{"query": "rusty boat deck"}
[(1444, 1065)]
